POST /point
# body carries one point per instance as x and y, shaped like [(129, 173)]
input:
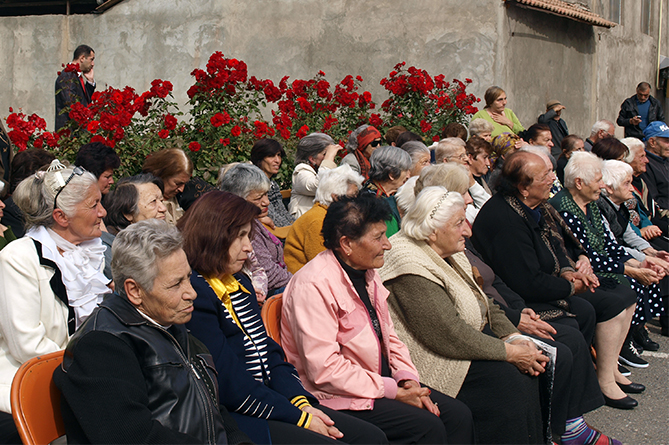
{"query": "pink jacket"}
[(327, 334)]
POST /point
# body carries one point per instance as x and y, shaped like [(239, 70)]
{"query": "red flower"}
[(218, 119), (436, 138), (302, 132), (305, 105), (425, 126), (236, 131), (225, 141), (163, 134), (194, 146), (170, 122), (375, 120), (93, 126)]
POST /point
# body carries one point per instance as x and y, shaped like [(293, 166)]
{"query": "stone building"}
[(590, 54)]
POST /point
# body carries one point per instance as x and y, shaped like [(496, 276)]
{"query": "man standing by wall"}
[(75, 86), (638, 111), (552, 118)]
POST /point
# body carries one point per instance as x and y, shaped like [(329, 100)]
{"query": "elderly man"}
[(657, 171), (75, 86), (602, 129), (132, 373), (638, 111)]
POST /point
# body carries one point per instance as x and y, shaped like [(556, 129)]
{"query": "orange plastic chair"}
[(271, 316), (35, 400)]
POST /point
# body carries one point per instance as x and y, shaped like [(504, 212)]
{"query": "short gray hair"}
[(138, 248), (388, 161), (450, 175), (416, 149), (311, 145), (600, 125), (242, 179), (615, 172), (584, 165), (35, 195), (352, 144), (478, 126), (540, 150), (446, 148), (336, 182), (634, 145), (405, 196), (433, 208)]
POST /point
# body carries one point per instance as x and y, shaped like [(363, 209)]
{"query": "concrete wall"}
[(533, 55)]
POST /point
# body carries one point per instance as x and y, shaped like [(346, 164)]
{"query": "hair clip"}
[(441, 200)]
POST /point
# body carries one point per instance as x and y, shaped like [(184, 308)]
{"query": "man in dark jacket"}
[(132, 373), (75, 86), (656, 175), (638, 111), (552, 118)]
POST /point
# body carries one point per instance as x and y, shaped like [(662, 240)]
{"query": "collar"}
[(652, 155)]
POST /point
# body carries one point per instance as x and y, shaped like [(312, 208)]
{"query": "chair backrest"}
[(36, 400), (271, 316)]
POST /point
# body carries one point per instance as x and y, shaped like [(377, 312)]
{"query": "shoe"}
[(624, 371), (641, 337), (632, 388), (629, 355), (625, 403)]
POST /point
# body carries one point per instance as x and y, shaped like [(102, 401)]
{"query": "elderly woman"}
[(362, 143), (570, 144), (134, 199), (420, 156), (51, 279), (481, 128), (336, 329), (133, 374), (618, 189), (304, 240), (503, 145), (526, 243), (175, 168), (315, 153), (249, 182), (257, 385), (495, 112), (101, 160), (613, 265), (268, 154)]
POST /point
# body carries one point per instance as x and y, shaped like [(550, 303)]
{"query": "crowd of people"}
[(490, 288)]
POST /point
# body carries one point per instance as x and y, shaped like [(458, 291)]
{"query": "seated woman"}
[(455, 333), (175, 168), (570, 144), (304, 241), (133, 374), (336, 329), (612, 264), (420, 156), (51, 279), (267, 155), (361, 144), (134, 199), (618, 189), (481, 128), (101, 160), (527, 244), (249, 182), (315, 153), (257, 385)]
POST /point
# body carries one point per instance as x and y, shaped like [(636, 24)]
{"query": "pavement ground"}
[(648, 423)]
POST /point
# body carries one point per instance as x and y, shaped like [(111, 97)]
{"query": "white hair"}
[(416, 150), (433, 208), (336, 182), (634, 145), (405, 195), (584, 165), (542, 151), (446, 148), (615, 172), (601, 125), (450, 175), (478, 126)]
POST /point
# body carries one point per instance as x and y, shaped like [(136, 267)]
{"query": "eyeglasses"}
[(75, 171), (375, 143)]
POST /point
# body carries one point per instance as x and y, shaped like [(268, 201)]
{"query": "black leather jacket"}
[(178, 374), (628, 110)]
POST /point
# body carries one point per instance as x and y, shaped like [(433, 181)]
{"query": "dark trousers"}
[(404, 423), (8, 432)]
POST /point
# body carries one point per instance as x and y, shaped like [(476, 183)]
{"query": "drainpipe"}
[(659, 42)]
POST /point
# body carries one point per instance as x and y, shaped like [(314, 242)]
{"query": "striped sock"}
[(577, 432)]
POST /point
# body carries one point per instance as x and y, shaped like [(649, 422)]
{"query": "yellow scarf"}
[(223, 288)]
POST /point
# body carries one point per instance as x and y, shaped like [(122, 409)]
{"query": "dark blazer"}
[(256, 383), (628, 110), (513, 247), (68, 91), (558, 130)]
